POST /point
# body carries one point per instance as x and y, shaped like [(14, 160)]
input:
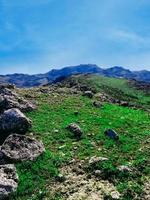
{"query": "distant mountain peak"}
[(25, 80)]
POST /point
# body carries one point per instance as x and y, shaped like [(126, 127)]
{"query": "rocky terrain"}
[(14, 148), (56, 75), (86, 137)]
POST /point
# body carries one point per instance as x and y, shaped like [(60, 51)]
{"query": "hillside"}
[(25, 80), (93, 166)]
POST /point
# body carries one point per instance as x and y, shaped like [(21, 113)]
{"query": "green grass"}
[(55, 113)]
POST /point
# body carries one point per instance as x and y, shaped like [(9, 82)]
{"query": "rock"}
[(2, 102), (8, 180), (98, 173), (2, 158), (13, 121), (56, 131), (95, 160), (15, 102), (21, 148), (10, 99), (111, 134), (124, 168), (88, 94), (9, 86), (124, 103), (60, 178), (76, 130), (97, 104), (115, 195), (76, 113)]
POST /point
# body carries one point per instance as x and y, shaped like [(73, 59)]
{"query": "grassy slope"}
[(117, 88), (56, 111)]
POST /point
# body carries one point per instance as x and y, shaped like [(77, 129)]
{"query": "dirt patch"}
[(78, 185)]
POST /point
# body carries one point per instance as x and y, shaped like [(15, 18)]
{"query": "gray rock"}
[(9, 86), (13, 121), (111, 134), (97, 104), (124, 168), (2, 102), (21, 148), (76, 130), (60, 178), (89, 94), (16, 102), (8, 180), (98, 173), (10, 99), (95, 160), (124, 103), (76, 113), (2, 158)]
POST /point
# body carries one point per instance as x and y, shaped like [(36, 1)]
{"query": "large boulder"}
[(8, 180), (21, 148), (13, 121)]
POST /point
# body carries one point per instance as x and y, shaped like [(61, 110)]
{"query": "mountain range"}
[(25, 80)]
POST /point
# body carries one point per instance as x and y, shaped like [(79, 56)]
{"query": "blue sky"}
[(38, 35)]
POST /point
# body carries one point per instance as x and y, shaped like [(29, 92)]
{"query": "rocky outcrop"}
[(10, 99), (21, 148), (8, 180)]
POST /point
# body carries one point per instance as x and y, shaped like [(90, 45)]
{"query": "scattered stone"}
[(61, 147), (60, 178), (75, 148), (56, 131), (124, 168), (8, 180), (124, 103), (79, 186), (111, 134), (95, 160), (97, 173), (97, 104), (89, 94), (13, 121), (115, 195), (76, 113), (76, 130), (21, 148)]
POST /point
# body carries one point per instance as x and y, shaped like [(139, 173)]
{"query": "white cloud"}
[(130, 36)]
